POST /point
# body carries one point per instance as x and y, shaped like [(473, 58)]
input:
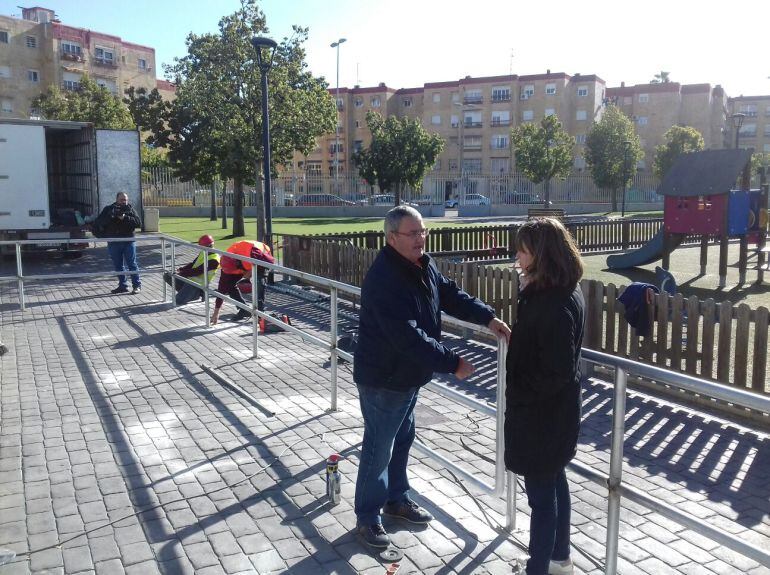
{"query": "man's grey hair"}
[(393, 217)]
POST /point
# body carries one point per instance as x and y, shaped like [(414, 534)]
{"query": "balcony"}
[(501, 98), (468, 124), (473, 100), (105, 62), (472, 146), (72, 57), (500, 122)]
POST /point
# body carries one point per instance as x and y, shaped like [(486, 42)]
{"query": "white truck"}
[(56, 176)]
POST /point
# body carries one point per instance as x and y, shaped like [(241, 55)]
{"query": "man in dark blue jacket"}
[(399, 348), (119, 220)]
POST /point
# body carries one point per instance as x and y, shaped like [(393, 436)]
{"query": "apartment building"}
[(38, 51), (755, 130), (475, 117)]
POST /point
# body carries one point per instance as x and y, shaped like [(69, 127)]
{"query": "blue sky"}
[(407, 43)]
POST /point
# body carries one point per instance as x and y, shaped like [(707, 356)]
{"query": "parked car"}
[(322, 200), (383, 200), (476, 200), (515, 197), (451, 203), (426, 200)]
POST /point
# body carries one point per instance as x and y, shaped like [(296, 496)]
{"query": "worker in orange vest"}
[(233, 270)]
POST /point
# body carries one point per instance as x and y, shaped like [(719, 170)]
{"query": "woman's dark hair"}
[(556, 261)]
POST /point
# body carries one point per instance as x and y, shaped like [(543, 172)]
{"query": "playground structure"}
[(700, 199)]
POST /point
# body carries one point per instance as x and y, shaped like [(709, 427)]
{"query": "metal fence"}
[(161, 189)]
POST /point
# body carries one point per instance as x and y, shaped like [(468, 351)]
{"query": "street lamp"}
[(738, 122), (626, 150), (264, 64), (337, 128)]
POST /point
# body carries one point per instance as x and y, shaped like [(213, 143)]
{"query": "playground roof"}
[(710, 172)]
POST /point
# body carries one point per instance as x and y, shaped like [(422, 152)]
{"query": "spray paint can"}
[(333, 478)]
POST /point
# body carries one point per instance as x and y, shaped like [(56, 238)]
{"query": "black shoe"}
[(120, 289), (408, 510), (241, 315), (373, 535)]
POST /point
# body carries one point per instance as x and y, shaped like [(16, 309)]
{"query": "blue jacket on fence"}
[(635, 303), (399, 332)]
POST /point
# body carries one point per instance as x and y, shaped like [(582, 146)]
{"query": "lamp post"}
[(265, 63), (337, 128), (737, 123), (626, 150)]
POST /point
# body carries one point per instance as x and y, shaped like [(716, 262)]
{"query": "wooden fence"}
[(718, 342)]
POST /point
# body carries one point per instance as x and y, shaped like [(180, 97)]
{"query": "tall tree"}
[(150, 114), (543, 152), (400, 154), (610, 161), (678, 140), (90, 103), (216, 120)]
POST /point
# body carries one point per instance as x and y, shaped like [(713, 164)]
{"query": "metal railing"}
[(623, 367)]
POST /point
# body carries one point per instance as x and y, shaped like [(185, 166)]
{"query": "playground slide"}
[(648, 253)]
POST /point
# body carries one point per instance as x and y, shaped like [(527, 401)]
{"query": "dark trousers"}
[(185, 293), (549, 499)]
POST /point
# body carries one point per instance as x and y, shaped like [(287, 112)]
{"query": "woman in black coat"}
[(543, 395)]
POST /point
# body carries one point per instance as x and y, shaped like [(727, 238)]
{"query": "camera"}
[(119, 209)]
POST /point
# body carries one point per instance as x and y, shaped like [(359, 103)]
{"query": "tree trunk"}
[(614, 199), (397, 193), (260, 201), (238, 227), (547, 199), (224, 204), (213, 214)]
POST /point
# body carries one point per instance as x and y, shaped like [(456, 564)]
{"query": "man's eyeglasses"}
[(415, 234)]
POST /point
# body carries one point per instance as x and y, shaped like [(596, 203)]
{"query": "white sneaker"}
[(561, 567)]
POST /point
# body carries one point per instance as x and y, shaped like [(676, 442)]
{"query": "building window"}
[(580, 139), (767, 130), (550, 89), (358, 123), (435, 120), (748, 130), (141, 63), (358, 146), (436, 97), (455, 96), (499, 165), (71, 51), (628, 100), (71, 81), (472, 120), (472, 166), (407, 102), (454, 121), (3, 37), (582, 91), (501, 118), (500, 142), (33, 76), (641, 120), (334, 148), (644, 98), (471, 142), (6, 106), (375, 102), (104, 55), (5, 71), (358, 102), (31, 41), (750, 110), (107, 84), (527, 115), (766, 147), (549, 112), (581, 115), (473, 97), (340, 104), (501, 94), (527, 92)]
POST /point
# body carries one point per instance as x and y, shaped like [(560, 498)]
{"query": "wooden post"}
[(723, 243), (704, 253), (624, 235)]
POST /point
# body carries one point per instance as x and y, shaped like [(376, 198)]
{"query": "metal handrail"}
[(623, 367)]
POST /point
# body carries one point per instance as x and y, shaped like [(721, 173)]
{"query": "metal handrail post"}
[(163, 259), (173, 274), (510, 502), (616, 472), (333, 358), (254, 315), (205, 286), (22, 300), (502, 350)]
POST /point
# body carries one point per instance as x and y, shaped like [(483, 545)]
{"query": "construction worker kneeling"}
[(232, 271)]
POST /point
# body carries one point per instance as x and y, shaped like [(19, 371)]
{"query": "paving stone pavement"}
[(119, 454)]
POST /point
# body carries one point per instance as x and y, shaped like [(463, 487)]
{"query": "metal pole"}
[(616, 471), (334, 349), (266, 163), (22, 301), (173, 272), (337, 128), (205, 286), (254, 315), (502, 352), (163, 259)]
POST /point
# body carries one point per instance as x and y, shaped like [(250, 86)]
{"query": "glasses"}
[(415, 234)]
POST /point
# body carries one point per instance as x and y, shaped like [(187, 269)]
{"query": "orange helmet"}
[(206, 240)]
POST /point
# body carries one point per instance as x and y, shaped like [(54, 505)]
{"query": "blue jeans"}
[(185, 293), (549, 499), (389, 431), (123, 255)]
